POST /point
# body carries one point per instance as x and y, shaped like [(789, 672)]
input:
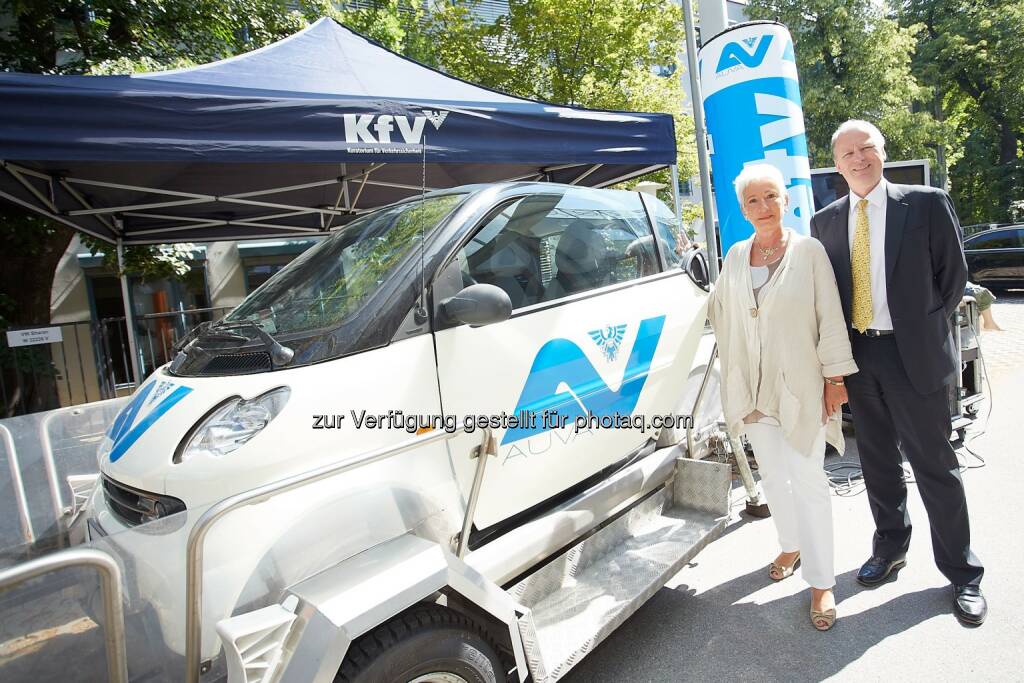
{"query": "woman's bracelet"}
[(834, 383)]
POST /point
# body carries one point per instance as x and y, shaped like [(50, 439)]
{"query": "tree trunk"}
[(1010, 167), (32, 251)]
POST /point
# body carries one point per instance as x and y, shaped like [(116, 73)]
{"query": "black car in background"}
[(995, 258)]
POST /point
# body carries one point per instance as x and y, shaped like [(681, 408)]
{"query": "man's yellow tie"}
[(860, 262)]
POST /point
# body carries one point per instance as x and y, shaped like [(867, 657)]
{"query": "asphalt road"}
[(722, 618)]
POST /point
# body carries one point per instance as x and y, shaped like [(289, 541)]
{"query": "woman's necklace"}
[(768, 252)]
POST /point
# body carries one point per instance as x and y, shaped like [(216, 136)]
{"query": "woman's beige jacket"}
[(774, 357)]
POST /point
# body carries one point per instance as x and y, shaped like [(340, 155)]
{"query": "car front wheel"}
[(428, 644)]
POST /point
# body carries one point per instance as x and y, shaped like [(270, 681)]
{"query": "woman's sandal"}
[(823, 621), (778, 572)]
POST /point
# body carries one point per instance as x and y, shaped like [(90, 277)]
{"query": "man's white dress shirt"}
[(877, 199)]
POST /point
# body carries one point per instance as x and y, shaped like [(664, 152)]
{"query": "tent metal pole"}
[(52, 216), (635, 174), (586, 173), (702, 139), (129, 319), (675, 195)]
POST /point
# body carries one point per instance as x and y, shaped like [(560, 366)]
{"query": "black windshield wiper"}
[(280, 354)]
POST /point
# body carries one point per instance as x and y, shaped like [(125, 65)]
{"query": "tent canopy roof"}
[(294, 138)]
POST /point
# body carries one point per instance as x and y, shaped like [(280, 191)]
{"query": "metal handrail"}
[(696, 401), (110, 584), (46, 447), (197, 536), (19, 485)]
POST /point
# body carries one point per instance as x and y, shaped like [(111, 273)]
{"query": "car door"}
[(596, 331), (995, 256)]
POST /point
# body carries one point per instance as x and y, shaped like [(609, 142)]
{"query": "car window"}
[(545, 247), (999, 239), (674, 242)]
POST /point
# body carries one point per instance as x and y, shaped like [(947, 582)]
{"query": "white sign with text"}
[(38, 335)]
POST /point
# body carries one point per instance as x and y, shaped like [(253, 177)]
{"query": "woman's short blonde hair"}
[(752, 172)]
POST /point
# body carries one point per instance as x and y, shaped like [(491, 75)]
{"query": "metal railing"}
[(20, 497), (92, 361), (197, 536), (697, 401), (110, 585), (49, 465)]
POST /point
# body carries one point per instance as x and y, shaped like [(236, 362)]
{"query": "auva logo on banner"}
[(735, 54), (358, 127)]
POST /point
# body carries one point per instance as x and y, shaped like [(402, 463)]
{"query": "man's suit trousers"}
[(890, 416)]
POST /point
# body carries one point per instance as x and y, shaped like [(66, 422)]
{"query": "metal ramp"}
[(575, 601)]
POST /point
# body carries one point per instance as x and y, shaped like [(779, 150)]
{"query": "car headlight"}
[(104, 449), (231, 424)]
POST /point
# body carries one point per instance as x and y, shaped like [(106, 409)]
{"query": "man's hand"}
[(835, 396)]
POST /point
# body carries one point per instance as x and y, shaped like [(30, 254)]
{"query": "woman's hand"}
[(835, 395)]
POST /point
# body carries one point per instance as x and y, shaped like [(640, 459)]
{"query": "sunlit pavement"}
[(722, 618)]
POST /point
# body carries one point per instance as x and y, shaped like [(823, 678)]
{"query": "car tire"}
[(428, 644)]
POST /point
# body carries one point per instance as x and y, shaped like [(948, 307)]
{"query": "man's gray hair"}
[(752, 172), (860, 126)]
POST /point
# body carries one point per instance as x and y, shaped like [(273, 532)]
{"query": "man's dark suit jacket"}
[(925, 275)]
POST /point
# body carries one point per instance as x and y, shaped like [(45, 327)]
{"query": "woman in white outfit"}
[(784, 353)]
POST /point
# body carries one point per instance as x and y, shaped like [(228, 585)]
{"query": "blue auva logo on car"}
[(735, 54), (563, 381), (125, 432)]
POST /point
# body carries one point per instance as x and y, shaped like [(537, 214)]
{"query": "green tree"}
[(972, 54), (600, 54), (855, 62)]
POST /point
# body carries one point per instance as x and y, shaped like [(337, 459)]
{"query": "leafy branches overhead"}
[(72, 36), (972, 53), (855, 62)]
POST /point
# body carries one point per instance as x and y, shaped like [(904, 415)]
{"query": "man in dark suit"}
[(899, 263)]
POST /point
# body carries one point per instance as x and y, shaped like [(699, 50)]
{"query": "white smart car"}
[(566, 319)]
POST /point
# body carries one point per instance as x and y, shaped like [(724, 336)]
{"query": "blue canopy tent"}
[(295, 138), (290, 140)]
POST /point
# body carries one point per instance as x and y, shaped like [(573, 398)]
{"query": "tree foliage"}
[(855, 62), (972, 53), (601, 54)]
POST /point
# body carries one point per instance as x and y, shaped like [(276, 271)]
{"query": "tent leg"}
[(129, 319), (675, 195)]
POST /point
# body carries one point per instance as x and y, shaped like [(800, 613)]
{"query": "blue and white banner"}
[(751, 98)]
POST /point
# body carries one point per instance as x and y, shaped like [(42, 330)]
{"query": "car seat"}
[(513, 265), (581, 261)]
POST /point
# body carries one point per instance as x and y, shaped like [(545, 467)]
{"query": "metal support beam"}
[(702, 140), (586, 173), (129, 317)]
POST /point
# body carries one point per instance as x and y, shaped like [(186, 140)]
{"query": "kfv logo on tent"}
[(378, 128), (749, 52)]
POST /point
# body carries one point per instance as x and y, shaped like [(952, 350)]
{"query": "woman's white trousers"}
[(799, 498)]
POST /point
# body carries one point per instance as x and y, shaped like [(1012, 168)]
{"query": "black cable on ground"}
[(847, 478)]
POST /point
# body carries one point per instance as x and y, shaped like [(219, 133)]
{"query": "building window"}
[(256, 275)]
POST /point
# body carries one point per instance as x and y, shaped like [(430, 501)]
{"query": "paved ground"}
[(721, 618)]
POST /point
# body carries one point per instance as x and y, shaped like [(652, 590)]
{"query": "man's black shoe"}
[(877, 569), (969, 605)]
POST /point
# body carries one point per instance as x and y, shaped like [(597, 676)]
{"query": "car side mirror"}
[(478, 305), (695, 263)]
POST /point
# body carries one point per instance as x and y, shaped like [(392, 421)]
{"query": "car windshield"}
[(330, 281)]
